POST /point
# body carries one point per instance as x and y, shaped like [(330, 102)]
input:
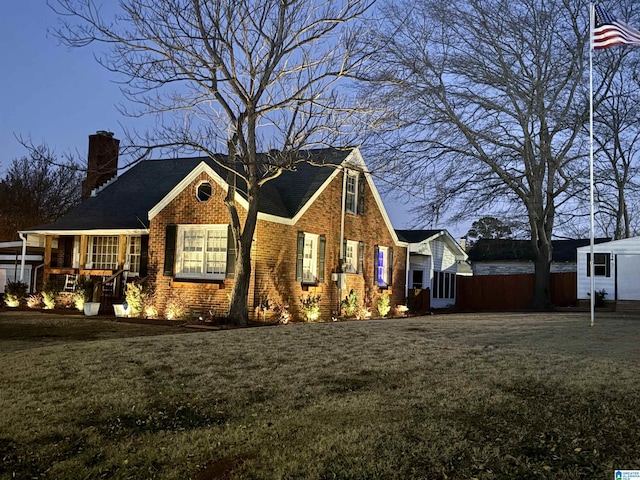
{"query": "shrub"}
[(383, 304), (83, 292), (310, 307), (362, 312), (150, 311), (35, 301), (177, 307), (135, 298), (264, 305), (600, 294), (14, 292), (349, 305), (282, 311), (49, 294)]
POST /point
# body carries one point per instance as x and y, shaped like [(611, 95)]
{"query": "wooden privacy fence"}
[(419, 300), (511, 292)]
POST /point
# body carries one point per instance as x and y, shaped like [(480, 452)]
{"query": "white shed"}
[(435, 259), (617, 269)]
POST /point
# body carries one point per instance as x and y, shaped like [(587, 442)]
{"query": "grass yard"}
[(510, 396)]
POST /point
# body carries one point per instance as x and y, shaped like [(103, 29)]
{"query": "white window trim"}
[(445, 281), (180, 252), (351, 266), (606, 261), (198, 188), (385, 267), (352, 174), (128, 263), (91, 261), (310, 274)]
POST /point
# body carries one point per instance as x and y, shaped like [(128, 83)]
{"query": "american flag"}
[(609, 32)]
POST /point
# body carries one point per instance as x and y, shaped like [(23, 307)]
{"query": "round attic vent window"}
[(203, 192)]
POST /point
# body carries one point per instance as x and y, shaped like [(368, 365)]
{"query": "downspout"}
[(24, 255), (406, 276), (342, 215), (35, 277)]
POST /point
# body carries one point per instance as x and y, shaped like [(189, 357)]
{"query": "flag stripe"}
[(609, 32)]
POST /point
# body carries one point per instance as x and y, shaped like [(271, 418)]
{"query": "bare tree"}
[(240, 76), (489, 227), (37, 189), (490, 97)]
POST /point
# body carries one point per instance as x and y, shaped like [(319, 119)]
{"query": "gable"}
[(201, 168), (427, 242)]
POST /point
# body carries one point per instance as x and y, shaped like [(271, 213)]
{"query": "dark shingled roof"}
[(125, 203), (416, 236), (502, 250)]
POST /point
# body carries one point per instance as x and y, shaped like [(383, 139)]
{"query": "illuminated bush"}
[(14, 292), (310, 307)]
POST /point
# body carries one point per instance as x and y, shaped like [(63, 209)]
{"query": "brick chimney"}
[(102, 161)]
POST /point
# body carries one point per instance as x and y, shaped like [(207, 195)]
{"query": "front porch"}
[(109, 288), (108, 261)]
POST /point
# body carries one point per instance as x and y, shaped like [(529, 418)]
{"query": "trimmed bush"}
[(83, 292), (310, 306), (14, 293), (383, 304), (49, 294)]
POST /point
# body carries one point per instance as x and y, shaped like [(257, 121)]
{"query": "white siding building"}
[(617, 269), (435, 259)]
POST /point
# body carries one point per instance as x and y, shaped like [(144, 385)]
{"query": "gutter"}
[(406, 275), (35, 277), (24, 255)]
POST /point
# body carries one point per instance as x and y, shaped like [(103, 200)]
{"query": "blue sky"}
[(58, 96), (49, 92)]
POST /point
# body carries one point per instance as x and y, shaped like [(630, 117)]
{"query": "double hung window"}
[(202, 251), (351, 256), (351, 204), (310, 258), (601, 264), (310, 261), (134, 248), (354, 192), (383, 264)]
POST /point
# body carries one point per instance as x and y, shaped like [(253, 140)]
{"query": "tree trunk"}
[(541, 231), (542, 293), (239, 302)]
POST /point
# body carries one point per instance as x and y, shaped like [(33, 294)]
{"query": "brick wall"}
[(186, 209), (274, 253)]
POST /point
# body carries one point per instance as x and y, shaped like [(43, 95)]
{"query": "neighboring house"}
[(512, 257), (435, 259), (616, 269), (322, 230), (11, 262)]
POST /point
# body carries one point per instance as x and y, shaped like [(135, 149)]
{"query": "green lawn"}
[(510, 396)]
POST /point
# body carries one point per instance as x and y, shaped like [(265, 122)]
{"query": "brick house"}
[(322, 230)]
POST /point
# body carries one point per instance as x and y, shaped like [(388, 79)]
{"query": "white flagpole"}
[(591, 215)]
